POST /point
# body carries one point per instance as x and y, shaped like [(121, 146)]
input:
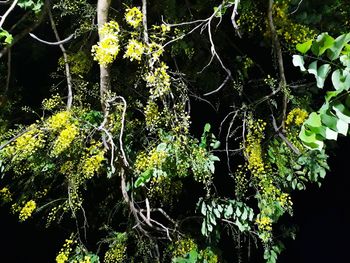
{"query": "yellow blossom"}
[(134, 50), (27, 210), (64, 139), (133, 17)]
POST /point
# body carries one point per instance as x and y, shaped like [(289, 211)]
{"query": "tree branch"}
[(65, 57), (61, 42), (278, 50), (4, 16)]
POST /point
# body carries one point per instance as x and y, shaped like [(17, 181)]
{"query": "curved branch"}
[(61, 42), (3, 17)]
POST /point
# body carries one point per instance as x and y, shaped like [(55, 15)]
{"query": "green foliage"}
[(333, 117), (215, 210), (34, 5), (5, 37)]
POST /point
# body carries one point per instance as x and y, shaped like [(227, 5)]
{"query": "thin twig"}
[(8, 77), (4, 16), (65, 57)]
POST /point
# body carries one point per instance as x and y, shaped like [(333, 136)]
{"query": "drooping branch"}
[(57, 43), (102, 18), (65, 58)]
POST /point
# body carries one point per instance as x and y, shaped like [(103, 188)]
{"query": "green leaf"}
[(229, 211), (320, 73), (214, 158), (345, 60), (338, 45), (314, 120), (216, 212), (331, 135), (342, 112), (244, 214), (341, 79), (304, 47), (161, 147), (8, 37), (298, 61), (207, 127), (216, 144), (322, 43)]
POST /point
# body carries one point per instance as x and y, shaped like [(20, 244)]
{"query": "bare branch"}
[(61, 42), (65, 57), (290, 145), (233, 17), (4, 16)]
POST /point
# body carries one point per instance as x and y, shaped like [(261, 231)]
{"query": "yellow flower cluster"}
[(63, 255), (183, 246), (27, 210), (116, 254), (292, 33), (133, 17), (253, 148), (154, 159), (241, 181), (25, 145), (92, 163), (59, 120), (106, 51), (64, 139), (159, 81), (250, 21), (155, 50), (296, 116), (5, 195), (264, 223), (164, 190), (134, 50), (285, 201), (52, 103), (152, 115)]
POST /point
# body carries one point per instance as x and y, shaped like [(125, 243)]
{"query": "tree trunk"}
[(102, 18)]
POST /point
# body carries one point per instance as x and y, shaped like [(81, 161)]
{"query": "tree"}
[(114, 149)]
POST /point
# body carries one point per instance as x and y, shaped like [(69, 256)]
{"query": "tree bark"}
[(102, 18)]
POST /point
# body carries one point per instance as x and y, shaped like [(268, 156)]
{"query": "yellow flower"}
[(27, 210), (64, 139), (5, 195), (296, 116), (106, 51), (133, 17), (134, 50)]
